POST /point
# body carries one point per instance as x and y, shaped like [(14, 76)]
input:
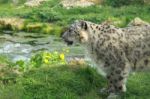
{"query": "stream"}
[(21, 45)]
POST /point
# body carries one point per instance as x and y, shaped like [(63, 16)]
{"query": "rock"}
[(34, 3), (77, 61), (137, 22), (76, 3), (15, 2), (12, 23), (114, 21), (147, 1), (96, 1)]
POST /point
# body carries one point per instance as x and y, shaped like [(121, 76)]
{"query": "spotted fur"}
[(116, 51)]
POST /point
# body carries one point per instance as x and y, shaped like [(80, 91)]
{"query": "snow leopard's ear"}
[(83, 25)]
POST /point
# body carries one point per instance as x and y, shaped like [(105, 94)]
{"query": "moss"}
[(47, 29), (57, 30), (34, 27)]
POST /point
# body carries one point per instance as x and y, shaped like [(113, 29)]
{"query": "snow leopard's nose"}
[(65, 38)]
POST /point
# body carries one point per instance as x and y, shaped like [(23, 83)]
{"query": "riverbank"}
[(16, 24)]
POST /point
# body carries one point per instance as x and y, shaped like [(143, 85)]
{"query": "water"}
[(20, 46)]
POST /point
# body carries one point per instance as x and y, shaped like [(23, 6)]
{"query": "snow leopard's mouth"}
[(65, 38), (68, 42)]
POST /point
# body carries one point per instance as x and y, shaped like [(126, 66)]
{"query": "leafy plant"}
[(40, 59), (47, 58), (20, 64)]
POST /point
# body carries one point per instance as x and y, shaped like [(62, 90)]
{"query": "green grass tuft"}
[(70, 82), (60, 82)]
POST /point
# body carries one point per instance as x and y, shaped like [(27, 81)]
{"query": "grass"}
[(10, 10), (52, 12), (69, 82), (138, 86), (97, 14), (60, 82)]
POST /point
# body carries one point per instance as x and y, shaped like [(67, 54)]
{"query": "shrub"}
[(48, 16), (44, 15)]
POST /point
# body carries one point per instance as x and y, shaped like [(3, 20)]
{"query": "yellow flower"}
[(46, 61), (62, 56)]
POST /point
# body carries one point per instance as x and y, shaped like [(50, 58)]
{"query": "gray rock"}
[(76, 3), (137, 22)]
